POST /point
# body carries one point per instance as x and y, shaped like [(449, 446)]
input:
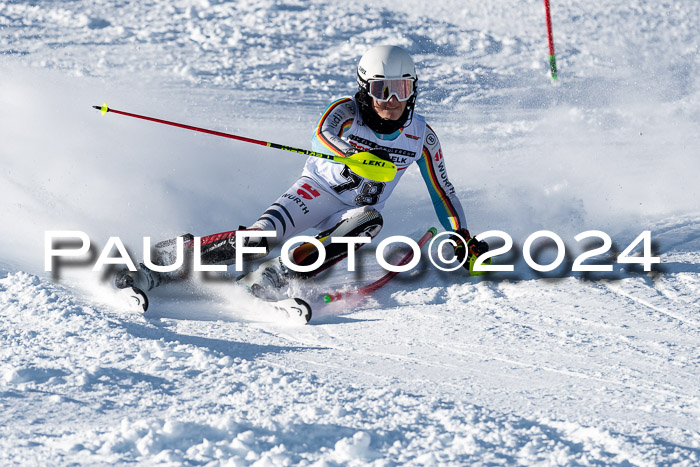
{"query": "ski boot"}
[(268, 280), (143, 278)]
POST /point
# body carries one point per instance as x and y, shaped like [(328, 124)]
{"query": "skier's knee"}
[(361, 222), (357, 223)]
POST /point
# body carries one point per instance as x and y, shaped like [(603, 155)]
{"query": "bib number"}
[(369, 191)]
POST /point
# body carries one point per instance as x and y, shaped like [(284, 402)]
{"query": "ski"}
[(382, 281), (133, 298), (292, 310)]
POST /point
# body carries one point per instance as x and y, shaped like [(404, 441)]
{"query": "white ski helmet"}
[(385, 62)]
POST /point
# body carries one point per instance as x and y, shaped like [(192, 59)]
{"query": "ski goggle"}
[(383, 89)]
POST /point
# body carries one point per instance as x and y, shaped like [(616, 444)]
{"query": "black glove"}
[(468, 244)]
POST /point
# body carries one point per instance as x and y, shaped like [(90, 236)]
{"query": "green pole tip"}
[(104, 108), (327, 298), (553, 67)]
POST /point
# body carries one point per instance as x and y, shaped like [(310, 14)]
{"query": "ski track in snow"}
[(514, 368), (249, 392)]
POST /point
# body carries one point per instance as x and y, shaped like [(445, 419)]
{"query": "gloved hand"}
[(381, 153), (471, 245)]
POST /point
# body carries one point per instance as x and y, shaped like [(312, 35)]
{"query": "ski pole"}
[(550, 38), (364, 164), (369, 288)]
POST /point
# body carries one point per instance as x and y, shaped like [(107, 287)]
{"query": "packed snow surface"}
[(525, 367)]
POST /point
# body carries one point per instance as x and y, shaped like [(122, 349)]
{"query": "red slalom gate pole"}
[(550, 38), (369, 288)]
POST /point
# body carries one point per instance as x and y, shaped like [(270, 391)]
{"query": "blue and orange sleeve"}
[(336, 120), (447, 206)]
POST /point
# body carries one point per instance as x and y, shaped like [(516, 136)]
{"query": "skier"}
[(332, 199)]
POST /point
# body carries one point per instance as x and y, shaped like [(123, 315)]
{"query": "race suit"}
[(328, 192)]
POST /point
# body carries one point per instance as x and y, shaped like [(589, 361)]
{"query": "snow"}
[(435, 368)]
